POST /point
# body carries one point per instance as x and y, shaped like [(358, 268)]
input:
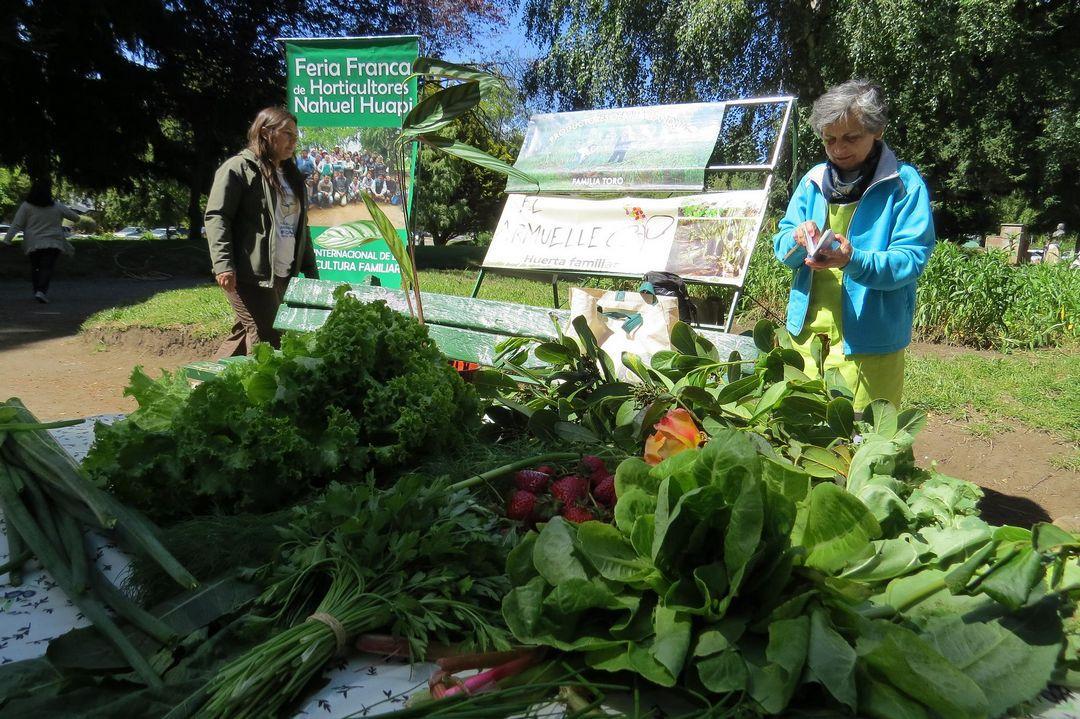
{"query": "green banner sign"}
[(623, 149), (349, 96)]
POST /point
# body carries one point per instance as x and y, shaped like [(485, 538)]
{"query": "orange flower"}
[(674, 433)]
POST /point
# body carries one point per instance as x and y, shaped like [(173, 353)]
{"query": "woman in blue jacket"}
[(859, 292)]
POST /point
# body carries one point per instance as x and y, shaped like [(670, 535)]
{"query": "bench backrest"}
[(463, 328)]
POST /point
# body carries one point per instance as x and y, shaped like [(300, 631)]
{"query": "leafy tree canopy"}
[(985, 97)]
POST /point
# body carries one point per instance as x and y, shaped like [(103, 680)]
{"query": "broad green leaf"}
[(727, 457), (435, 67), (735, 391), (553, 353), (888, 509), (880, 700), (672, 644), (841, 417), (393, 240), (30, 677), (635, 473), (572, 432), (682, 338), (831, 660), (578, 595), (349, 235), (892, 558), (1008, 669), (554, 556), (611, 553), (765, 336), (522, 608), (633, 363), (770, 398), (875, 455), (773, 684), (883, 417), (1010, 582), (958, 578), (744, 530), (786, 479), (734, 371), (632, 504), (836, 529), (1049, 537), (519, 561), (260, 387), (918, 670), (439, 109), (958, 541), (628, 410), (904, 593), (823, 463), (723, 672), (477, 157)]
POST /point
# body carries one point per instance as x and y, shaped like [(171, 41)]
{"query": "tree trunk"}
[(194, 207)]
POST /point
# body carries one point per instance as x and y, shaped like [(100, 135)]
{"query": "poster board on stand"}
[(705, 236)]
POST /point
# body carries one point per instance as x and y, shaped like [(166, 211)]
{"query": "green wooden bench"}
[(466, 329)]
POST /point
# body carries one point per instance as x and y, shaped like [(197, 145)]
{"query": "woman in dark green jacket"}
[(256, 227)]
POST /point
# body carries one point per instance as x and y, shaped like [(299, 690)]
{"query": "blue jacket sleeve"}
[(910, 244), (784, 239)]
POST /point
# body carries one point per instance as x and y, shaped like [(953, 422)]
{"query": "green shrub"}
[(967, 298), (980, 300)]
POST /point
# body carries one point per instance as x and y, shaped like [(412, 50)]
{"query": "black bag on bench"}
[(669, 284)]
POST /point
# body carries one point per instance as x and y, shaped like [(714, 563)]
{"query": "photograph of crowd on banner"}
[(339, 163)]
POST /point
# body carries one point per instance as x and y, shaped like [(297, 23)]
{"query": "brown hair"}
[(270, 119)]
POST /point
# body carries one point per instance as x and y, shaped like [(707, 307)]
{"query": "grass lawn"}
[(1039, 389)]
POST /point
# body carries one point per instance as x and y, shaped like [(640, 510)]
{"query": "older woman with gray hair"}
[(858, 233)]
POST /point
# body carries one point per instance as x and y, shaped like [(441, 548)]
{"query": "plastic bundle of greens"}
[(416, 559), (367, 389), (730, 573)]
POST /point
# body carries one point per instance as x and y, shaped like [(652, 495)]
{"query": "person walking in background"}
[(859, 293), (257, 231), (40, 218)]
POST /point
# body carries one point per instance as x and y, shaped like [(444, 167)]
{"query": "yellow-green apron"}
[(869, 376)]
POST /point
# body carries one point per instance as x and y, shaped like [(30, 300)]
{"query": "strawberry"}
[(569, 489), (521, 505), (546, 469), (597, 477), (577, 515), (593, 463), (604, 492), (531, 480)]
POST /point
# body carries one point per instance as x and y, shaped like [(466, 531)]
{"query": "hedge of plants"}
[(965, 297)]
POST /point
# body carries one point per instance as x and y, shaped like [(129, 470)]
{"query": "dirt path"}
[(61, 375), (58, 374)]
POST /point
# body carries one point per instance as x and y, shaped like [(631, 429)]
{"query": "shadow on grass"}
[(102, 274)]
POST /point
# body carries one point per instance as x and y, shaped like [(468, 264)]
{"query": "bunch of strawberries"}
[(541, 493)]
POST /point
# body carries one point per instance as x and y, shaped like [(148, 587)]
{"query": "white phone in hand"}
[(824, 241)]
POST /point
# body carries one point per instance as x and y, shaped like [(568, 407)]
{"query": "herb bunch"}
[(416, 559), (367, 390)]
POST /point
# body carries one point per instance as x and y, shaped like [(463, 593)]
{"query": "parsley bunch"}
[(368, 389), (417, 559)]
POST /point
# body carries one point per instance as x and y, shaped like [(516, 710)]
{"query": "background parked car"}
[(130, 233)]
